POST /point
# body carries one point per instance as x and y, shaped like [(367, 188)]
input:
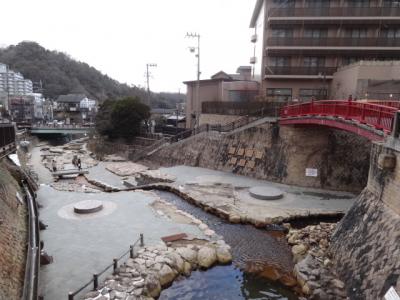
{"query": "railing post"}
[(379, 116), (131, 251), (95, 281), (141, 240), (115, 266), (70, 296), (396, 124), (362, 112)]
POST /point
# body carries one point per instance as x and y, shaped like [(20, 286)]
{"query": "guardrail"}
[(341, 11), (241, 108), (31, 281), (114, 265), (245, 120)]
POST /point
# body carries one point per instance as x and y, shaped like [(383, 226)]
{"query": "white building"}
[(14, 82)]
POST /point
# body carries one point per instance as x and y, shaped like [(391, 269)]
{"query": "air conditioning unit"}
[(253, 38), (253, 60)]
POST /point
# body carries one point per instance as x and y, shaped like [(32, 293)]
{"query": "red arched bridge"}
[(373, 119)]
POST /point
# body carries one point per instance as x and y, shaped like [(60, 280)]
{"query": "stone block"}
[(251, 164), (242, 162), (232, 150), (240, 152), (233, 160), (258, 154), (249, 152)]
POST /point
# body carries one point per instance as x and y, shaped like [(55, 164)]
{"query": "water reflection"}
[(225, 282), (229, 282)]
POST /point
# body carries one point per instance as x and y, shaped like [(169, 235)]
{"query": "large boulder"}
[(223, 255), (187, 269), (187, 254), (206, 257), (167, 275), (153, 286), (176, 261)]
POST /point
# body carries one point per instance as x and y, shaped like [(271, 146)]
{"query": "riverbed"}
[(83, 246)]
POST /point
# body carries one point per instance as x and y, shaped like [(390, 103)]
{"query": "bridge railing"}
[(376, 115)]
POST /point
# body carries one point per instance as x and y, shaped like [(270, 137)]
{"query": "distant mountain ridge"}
[(62, 75)]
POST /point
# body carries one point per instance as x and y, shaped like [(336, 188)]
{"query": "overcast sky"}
[(119, 37)]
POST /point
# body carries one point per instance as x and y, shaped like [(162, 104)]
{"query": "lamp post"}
[(193, 50)]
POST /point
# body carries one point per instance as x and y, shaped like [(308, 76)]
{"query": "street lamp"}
[(193, 50)]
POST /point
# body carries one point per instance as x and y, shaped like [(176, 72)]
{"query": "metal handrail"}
[(245, 120), (114, 265), (31, 281)]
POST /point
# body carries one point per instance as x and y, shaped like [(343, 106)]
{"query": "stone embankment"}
[(13, 235), (276, 154), (156, 267), (366, 241), (314, 270)]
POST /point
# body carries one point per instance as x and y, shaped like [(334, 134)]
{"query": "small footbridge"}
[(59, 129), (373, 119)]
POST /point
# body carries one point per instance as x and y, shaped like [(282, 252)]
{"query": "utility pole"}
[(148, 74), (193, 49), (8, 93)]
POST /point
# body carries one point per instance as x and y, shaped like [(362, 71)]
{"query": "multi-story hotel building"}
[(13, 83), (300, 44)]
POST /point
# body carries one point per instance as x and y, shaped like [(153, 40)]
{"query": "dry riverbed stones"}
[(314, 270)]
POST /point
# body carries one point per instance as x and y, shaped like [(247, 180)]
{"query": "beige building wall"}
[(349, 80)]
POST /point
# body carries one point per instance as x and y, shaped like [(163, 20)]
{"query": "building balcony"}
[(333, 42), (300, 72), (338, 12)]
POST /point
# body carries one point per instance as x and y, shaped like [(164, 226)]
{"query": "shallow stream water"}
[(231, 282)]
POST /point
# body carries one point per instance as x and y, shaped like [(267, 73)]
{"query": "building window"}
[(391, 33), (279, 61), (242, 95), (313, 62), (315, 33), (317, 3), (356, 33), (391, 3), (308, 94), (282, 32), (284, 3), (358, 3), (279, 95)]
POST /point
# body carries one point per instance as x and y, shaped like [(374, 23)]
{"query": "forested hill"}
[(61, 74)]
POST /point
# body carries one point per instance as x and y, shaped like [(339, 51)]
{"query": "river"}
[(220, 282)]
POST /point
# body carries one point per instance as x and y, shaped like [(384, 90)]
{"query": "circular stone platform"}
[(265, 193), (88, 206)]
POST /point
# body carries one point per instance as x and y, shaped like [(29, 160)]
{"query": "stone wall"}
[(277, 154), (13, 237), (366, 244)]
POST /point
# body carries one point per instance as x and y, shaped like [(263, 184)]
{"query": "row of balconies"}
[(334, 42), (335, 12), (308, 71)]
